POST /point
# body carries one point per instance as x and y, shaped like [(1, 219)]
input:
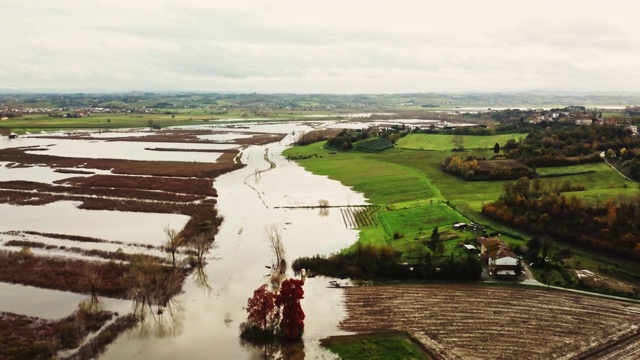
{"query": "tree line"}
[(374, 262), (608, 227)]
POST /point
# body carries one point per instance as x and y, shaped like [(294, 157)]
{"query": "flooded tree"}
[(292, 322), (201, 279), (273, 234), (151, 283), (262, 311), (201, 245), (323, 204), (173, 243), (93, 282), (274, 316)]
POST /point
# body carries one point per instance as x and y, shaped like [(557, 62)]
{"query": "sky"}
[(329, 46)]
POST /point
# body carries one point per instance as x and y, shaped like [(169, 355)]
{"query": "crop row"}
[(112, 279), (474, 322), (200, 213), (181, 169), (192, 186), (109, 255), (112, 191), (375, 145), (359, 216)]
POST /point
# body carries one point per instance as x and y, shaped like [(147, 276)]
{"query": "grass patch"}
[(443, 142), (419, 218), (380, 182), (407, 216), (387, 346)]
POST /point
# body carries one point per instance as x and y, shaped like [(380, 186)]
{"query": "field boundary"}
[(427, 353)]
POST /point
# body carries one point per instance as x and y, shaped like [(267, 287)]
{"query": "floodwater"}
[(64, 217), (210, 319), (205, 320), (46, 304), (224, 137), (43, 174), (126, 150)]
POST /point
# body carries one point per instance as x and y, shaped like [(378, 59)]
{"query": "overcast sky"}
[(328, 46)]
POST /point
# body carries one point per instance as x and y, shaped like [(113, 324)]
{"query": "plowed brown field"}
[(485, 322)]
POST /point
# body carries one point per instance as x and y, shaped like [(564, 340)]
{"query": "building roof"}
[(506, 261)]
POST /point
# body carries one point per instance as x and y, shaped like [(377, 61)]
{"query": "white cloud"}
[(320, 46)]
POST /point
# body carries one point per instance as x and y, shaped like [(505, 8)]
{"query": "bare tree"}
[(201, 245), (458, 142), (274, 235), (151, 283), (173, 243), (324, 207)]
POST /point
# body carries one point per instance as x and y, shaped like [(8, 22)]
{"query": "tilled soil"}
[(487, 322)]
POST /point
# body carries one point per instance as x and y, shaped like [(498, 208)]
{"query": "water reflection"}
[(211, 322), (324, 211), (162, 322), (276, 351), (91, 304), (201, 279)]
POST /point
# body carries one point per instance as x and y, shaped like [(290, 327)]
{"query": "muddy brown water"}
[(211, 318), (207, 315)]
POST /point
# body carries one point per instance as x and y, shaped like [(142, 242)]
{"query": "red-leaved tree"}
[(292, 322), (262, 308)]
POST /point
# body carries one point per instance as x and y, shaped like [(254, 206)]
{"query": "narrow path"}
[(602, 155), (614, 348), (257, 174)]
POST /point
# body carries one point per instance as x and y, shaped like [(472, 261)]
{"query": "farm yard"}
[(496, 322)]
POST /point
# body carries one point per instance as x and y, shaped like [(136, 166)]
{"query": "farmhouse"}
[(502, 261), (504, 265)]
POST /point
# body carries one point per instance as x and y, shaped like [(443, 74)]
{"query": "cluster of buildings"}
[(503, 263)]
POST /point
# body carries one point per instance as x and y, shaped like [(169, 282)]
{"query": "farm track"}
[(256, 176), (485, 322), (625, 349)]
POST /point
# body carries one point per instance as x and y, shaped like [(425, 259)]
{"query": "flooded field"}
[(203, 320), (237, 264)]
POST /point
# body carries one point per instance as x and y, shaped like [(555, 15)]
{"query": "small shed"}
[(459, 226), (471, 249)]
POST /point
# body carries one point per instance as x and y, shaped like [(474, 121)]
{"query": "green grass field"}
[(36, 123), (381, 183), (376, 346), (412, 190), (419, 218), (444, 142)]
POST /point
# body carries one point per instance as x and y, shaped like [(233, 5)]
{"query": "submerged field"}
[(103, 229)]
